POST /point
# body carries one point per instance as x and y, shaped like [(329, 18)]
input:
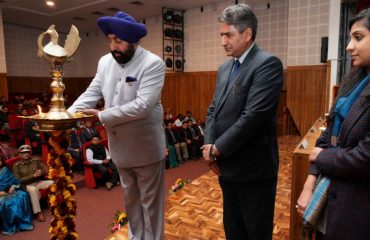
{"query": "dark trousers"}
[(248, 208), (78, 166), (104, 170)]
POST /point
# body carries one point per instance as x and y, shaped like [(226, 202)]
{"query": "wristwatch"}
[(212, 154)]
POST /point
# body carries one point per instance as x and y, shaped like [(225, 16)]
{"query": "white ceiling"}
[(35, 13)]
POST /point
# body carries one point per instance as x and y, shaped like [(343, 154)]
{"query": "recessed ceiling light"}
[(50, 3)]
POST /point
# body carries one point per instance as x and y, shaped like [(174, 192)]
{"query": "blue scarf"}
[(343, 106)]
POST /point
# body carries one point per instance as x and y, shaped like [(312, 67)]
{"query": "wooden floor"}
[(195, 212)]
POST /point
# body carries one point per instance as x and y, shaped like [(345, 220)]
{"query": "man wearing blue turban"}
[(130, 79)]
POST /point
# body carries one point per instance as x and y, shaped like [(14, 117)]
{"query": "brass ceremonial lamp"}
[(57, 118), (57, 121)]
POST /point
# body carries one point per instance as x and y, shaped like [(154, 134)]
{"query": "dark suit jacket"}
[(348, 167), (183, 135), (87, 134), (242, 121), (171, 138)]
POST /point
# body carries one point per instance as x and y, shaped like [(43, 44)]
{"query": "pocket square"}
[(131, 79)]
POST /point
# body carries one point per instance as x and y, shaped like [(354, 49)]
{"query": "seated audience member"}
[(88, 132), (197, 140), (199, 126), (74, 149), (189, 117), (168, 115), (32, 108), (181, 147), (24, 112), (19, 99), (173, 146), (184, 137), (16, 125), (31, 173), (3, 102), (98, 155), (5, 151), (15, 206), (18, 110), (31, 131), (178, 121), (4, 123), (4, 114)]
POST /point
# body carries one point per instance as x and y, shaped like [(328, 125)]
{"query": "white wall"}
[(289, 29), (308, 23), (22, 60)]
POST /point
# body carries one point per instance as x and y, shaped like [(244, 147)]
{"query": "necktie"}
[(192, 132), (173, 136), (233, 73)]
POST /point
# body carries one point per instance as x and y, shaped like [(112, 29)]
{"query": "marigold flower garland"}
[(61, 202)]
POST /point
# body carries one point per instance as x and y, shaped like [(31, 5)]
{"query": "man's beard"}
[(124, 57)]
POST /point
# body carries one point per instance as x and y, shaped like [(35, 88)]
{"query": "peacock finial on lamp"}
[(57, 118), (52, 51)]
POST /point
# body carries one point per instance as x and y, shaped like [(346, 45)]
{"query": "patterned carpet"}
[(195, 212)]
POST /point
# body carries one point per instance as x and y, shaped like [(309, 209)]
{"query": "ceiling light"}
[(50, 3)]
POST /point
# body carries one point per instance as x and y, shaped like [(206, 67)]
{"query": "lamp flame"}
[(39, 110)]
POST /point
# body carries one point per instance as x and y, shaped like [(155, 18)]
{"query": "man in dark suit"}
[(88, 132), (240, 140)]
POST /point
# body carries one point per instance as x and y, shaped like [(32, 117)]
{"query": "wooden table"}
[(300, 168)]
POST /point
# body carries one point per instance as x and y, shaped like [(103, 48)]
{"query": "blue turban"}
[(122, 26)]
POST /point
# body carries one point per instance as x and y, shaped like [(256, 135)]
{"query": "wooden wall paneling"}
[(181, 92), (3, 85), (327, 80), (189, 91), (20, 84), (307, 94), (76, 86)]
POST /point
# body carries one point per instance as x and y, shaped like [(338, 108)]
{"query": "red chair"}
[(12, 107), (91, 177), (15, 130), (11, 161), (3, 133), (101, 131), (44, 147)]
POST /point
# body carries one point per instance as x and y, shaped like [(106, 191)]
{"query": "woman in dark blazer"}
[(342, 153)]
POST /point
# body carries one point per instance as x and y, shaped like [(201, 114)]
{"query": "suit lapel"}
[(242, 70), (356, 111), (223, 78)]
